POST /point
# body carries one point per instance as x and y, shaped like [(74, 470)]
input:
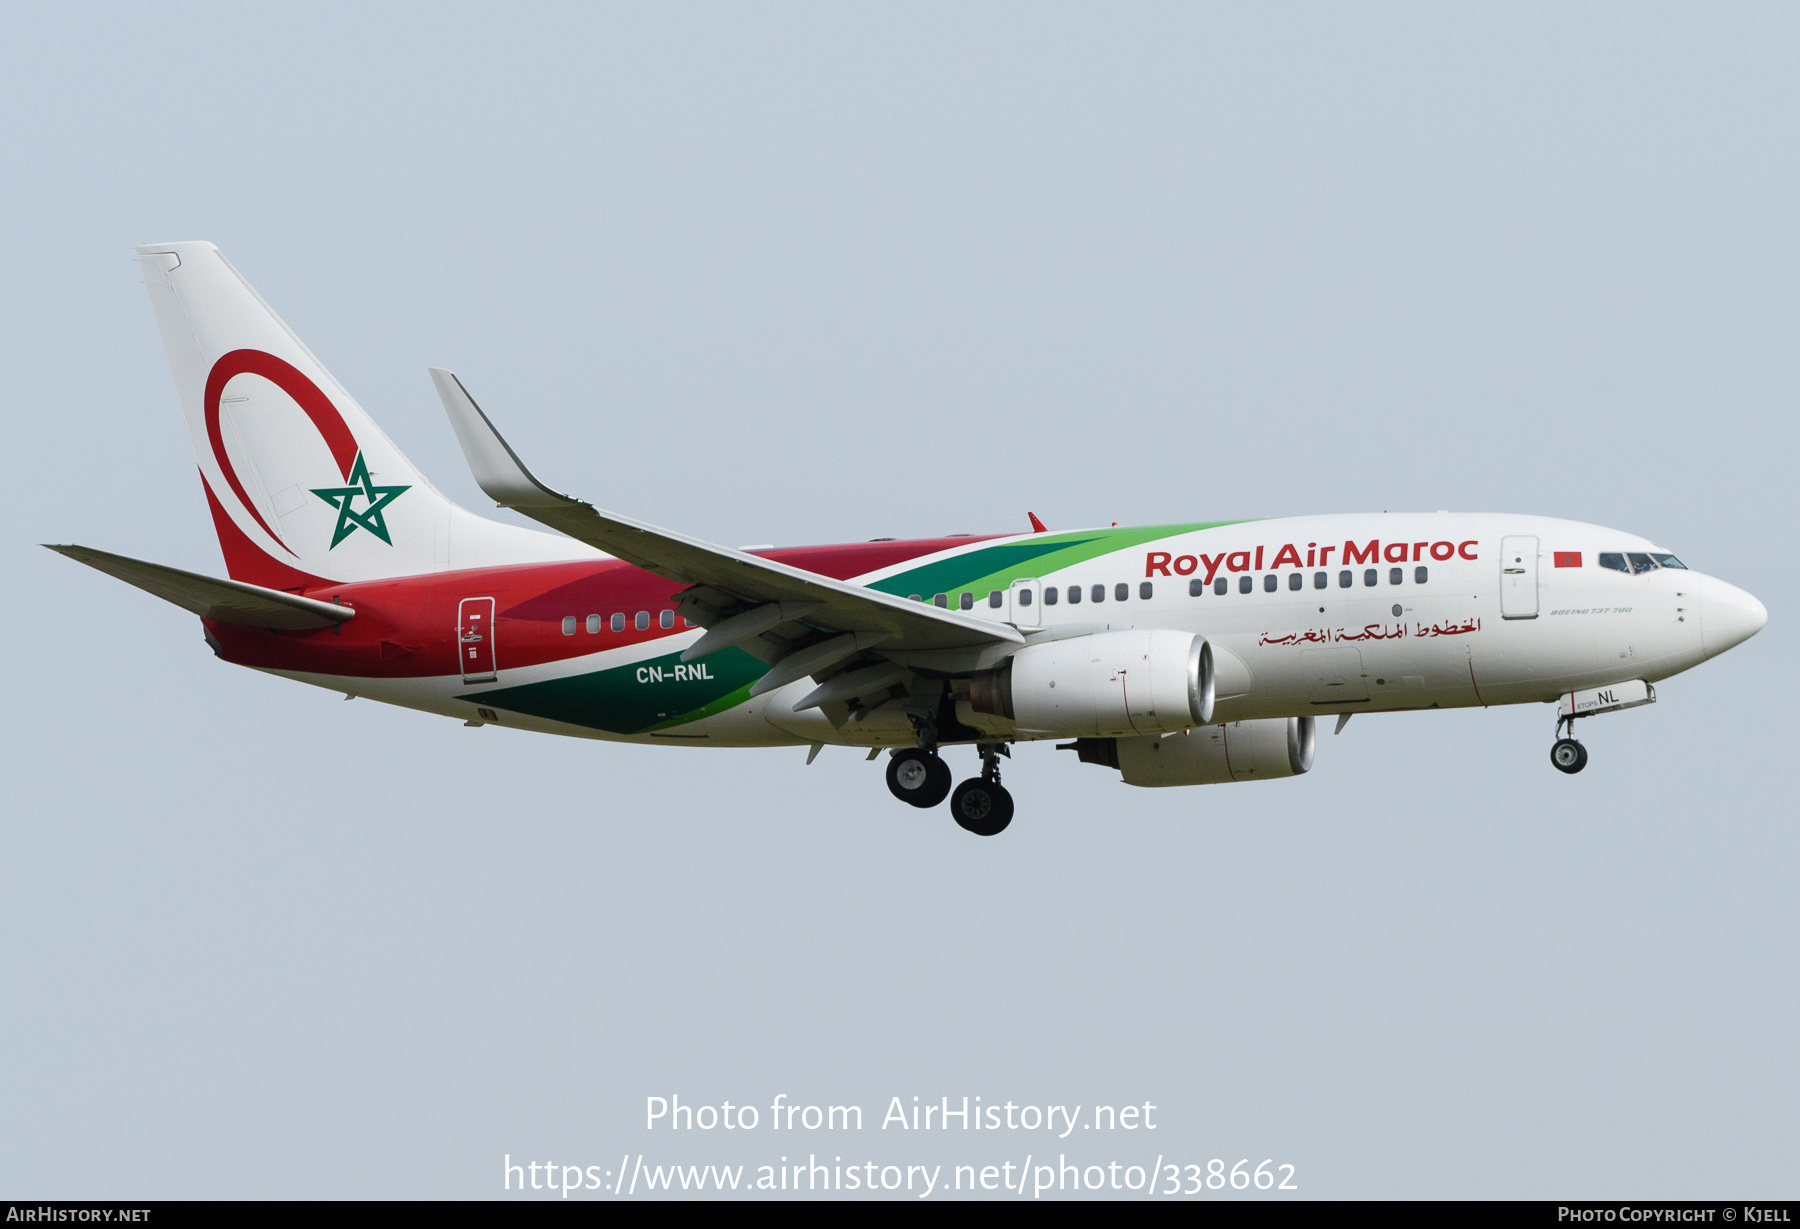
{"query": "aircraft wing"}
[(733, 591), (226, 601)]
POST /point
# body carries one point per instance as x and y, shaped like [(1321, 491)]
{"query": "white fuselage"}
[(1469, 632)]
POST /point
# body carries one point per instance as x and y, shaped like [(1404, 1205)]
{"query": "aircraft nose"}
[(1728, 617)]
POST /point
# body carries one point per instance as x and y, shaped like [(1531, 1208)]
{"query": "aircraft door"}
[(1025, 603), (475, 639), (1518, 578)]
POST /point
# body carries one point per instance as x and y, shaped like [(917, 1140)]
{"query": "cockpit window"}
[(1670, 561), (1640, 564), (1615, 561)]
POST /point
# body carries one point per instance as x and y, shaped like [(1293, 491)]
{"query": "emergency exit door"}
[(1518, 578), (475, 639), (1026, 601)]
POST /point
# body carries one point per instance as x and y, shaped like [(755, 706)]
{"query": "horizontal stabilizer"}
[(226, 601)]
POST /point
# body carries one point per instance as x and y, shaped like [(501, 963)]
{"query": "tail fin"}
[(304, 488)]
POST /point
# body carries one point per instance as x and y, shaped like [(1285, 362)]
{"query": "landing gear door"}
[(1518, 578), (475, 639), (1025, 603)]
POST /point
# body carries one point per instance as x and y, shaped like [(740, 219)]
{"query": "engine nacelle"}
[(1237, 751), (1109, 683)]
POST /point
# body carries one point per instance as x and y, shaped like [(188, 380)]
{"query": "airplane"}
[(1184, 654)]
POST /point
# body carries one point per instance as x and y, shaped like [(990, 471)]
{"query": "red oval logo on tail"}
[(288, 378)]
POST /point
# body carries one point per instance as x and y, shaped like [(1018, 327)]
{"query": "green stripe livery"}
[(996, 567), (640, 698)]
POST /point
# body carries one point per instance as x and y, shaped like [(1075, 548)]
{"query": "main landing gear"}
[(1567, 754), (918, 776)]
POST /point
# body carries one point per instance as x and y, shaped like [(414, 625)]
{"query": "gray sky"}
[(794, 275)]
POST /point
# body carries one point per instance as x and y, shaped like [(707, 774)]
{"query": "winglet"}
[(1037, 526), (496, 466)]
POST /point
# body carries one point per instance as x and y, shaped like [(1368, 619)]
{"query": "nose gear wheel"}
[(1568, 755)]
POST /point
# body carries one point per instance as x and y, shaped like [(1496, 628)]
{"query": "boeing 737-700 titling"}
[(1183, 654)]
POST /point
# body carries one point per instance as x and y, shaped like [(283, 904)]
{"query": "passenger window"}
[(618, 622), (997, 599), (593, 625), (1344, 579), (1296, 580), (1318, 580), (1613, 560), (1420, 575), (1245, 584), (1050, 592), (1025, 597), (1371, 578), (1396, 575), (1097, 593), (643, 620), (1074, 595), (1221, 586), (1196, 587), (666, 619), (1121, 592), (1669, 561), (568, 625), (967, 602), (1144, 591), (1641, 564), (1269, 583), (941, 601)]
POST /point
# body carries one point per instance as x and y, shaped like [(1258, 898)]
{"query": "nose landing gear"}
[(1568, 755)]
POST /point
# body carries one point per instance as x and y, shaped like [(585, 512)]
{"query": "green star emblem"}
[(343, 498)]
